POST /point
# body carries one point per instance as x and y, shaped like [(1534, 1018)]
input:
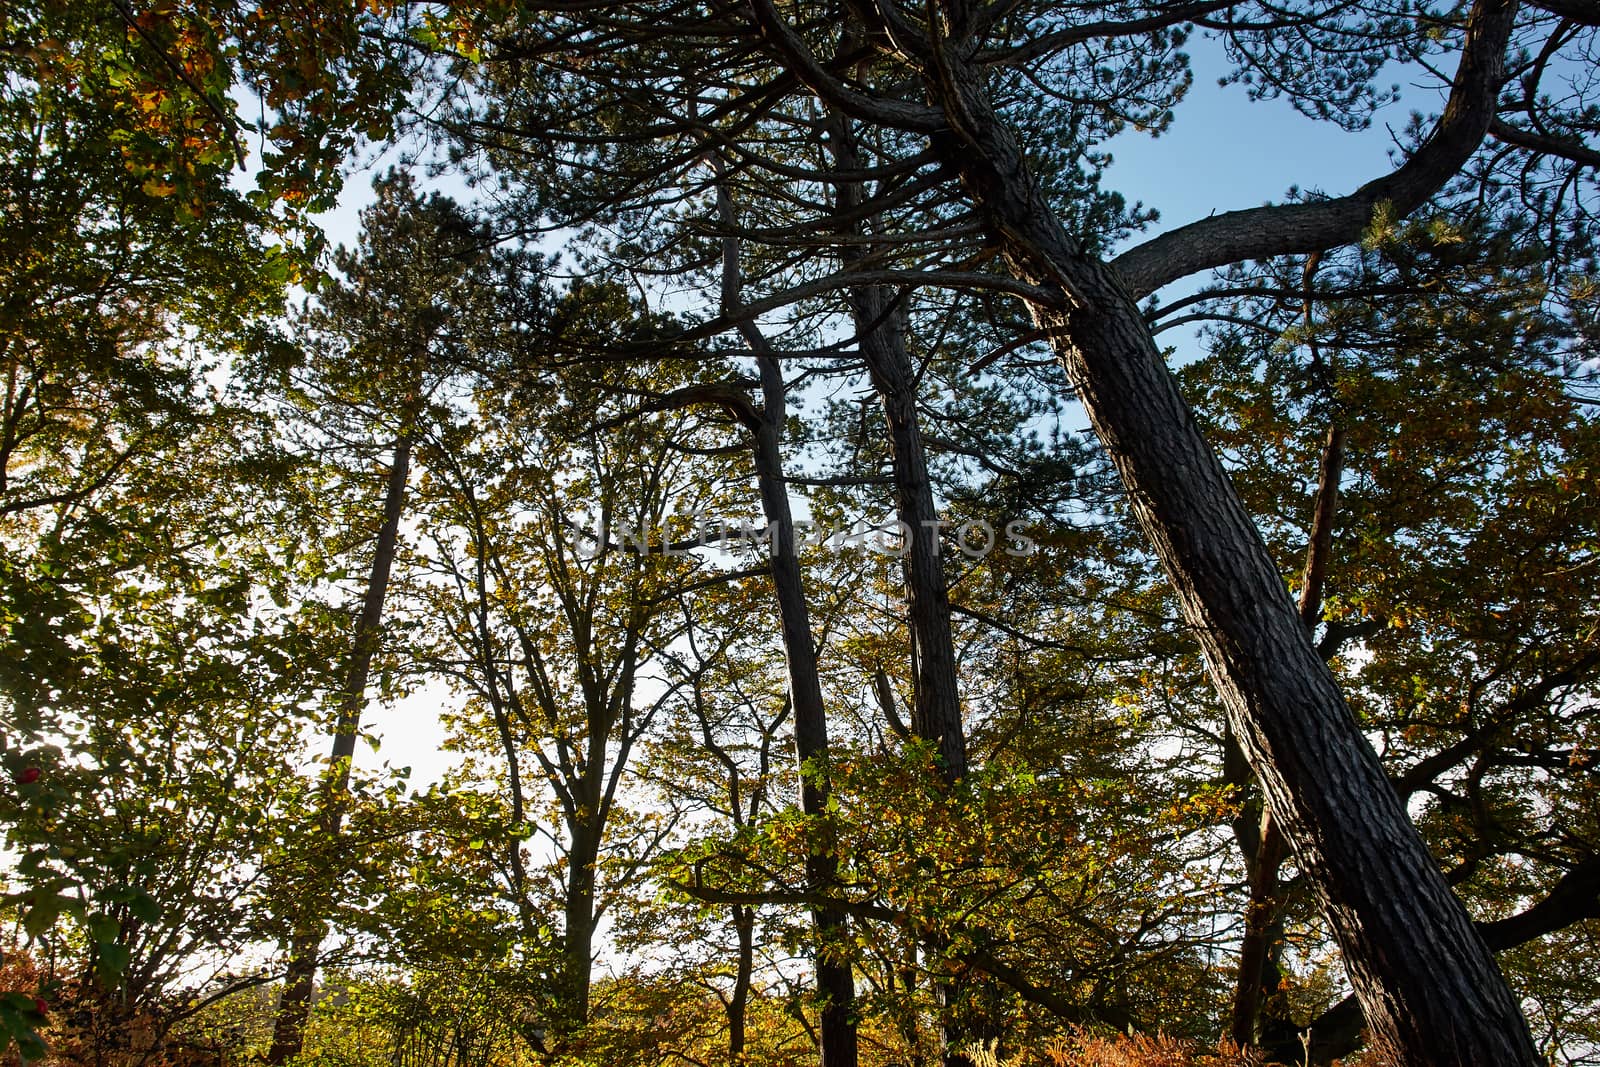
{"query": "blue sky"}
[(1225, 151)]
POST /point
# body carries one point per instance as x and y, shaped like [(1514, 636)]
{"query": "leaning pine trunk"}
[(1430, 988)]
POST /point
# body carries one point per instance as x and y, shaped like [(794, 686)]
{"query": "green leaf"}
[(114, 961), (42, 915), (103, 928), (145, 908)]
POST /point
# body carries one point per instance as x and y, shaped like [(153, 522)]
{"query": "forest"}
[(876, 594)]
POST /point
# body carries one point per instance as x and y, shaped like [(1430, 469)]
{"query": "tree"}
[(1421, 971), (557, 552), (173, 83), (154, 682), (958, 156), (384, 341), (139, 598), (717, 764), (1474, 671)]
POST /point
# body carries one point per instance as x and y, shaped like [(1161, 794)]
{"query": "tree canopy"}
[(741, 437)]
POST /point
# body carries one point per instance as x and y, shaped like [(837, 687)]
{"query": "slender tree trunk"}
[(1325, 508), (936, 709), (1259, 923), (835, 980), (835, 976), (936, 706), (1431, 989), (880, 335), (744, 925), (294, 1003), (1265, 904)]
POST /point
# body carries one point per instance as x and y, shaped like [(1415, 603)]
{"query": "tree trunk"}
[(835, 975), (1431, 989), (294, 1002), (1259, 923), (744, 925), (835, 978), (1318, 552), (880, 336), (579, 918), (936, 707)]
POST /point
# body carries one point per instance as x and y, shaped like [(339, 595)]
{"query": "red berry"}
[(40, 1006), (29, 776)]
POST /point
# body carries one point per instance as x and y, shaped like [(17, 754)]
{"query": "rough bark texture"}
[(299, 983), (1336, 1033), (1427, 982), (1429, 986)]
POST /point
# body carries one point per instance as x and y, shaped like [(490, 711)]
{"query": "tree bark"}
[(294, 1002), (1430, 987), (1336, 1033), (579, 923), (880, 336), (744, 925), (838, 1043), (1255, 947), (835, 980), (936, 706)]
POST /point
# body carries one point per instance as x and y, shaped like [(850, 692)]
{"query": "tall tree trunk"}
[(835, 980), (936, 706), (578, 947), (835, 976), (880, 336), (294, 1002), (1431, 989)]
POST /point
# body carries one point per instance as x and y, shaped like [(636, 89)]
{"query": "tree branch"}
[(1583, 12), (798, 58), (1282, 229), (1576, 151)]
